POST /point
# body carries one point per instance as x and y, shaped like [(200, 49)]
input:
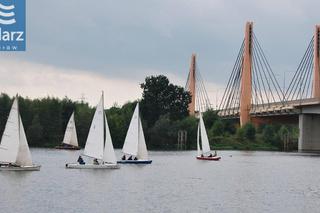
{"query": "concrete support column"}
[(192, 85), (246, 82), (309, 134)]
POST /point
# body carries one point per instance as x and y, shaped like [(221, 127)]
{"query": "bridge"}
[(254, 95)]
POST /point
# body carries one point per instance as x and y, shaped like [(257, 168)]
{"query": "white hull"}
[(92, 166), (20, 168)]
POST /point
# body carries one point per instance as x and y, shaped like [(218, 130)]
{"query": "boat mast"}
[(103, 122), (138, 128), (18, 118)]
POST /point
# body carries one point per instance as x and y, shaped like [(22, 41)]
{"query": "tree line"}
[(164, 112)]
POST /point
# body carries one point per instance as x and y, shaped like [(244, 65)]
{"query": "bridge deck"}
[(272, 109)]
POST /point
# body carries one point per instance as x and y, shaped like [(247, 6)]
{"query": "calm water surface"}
[(174, 182)]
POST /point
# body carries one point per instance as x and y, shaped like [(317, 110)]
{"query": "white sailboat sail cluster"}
[(204, 138), (70, 136), (202, 135), (135, 144), (97, 146), (95, 141), (14, 147)]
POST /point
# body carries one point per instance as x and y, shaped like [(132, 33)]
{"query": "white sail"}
[(70, 136), (130, 145), (204, 137), (10, 138), (108, 155), (142, 147), (198, 142), (24, 155), (95, 140)]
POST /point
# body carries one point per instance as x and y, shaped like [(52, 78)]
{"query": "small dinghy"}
[(70, 139), (135, 145), (208, 158), (205, 153), (98, 146), (14, 150)]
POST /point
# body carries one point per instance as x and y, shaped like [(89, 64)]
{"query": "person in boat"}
[(81, 161), (95, 161), (123, 157), (130, 158), (202, 155), (210, 155), (135, 158)]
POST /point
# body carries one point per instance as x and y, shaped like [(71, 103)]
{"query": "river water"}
[(174, 182)]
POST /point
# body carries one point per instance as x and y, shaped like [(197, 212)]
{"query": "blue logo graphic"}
[(12, 25)]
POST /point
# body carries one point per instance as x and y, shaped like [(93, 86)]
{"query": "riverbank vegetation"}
[(164, 110)]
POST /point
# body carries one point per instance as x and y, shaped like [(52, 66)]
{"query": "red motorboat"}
[(216, 158)]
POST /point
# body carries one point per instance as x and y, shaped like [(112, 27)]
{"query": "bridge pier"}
[(309, 128), (309, 134), (309, 119)]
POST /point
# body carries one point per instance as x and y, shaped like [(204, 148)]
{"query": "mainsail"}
[(135, 143), (130, 145), (70, 136), (198, 141), (204, 137), (95, 140), (10, 138), (14, 145)]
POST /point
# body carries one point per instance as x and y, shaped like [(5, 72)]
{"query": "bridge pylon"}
[(246, 77), (199, 97), (192, 85), (316, 62), (252, 90)]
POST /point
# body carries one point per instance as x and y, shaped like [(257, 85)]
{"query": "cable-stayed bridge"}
[(254, 95)]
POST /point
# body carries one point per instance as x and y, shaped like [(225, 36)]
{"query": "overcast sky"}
[(77, 47)]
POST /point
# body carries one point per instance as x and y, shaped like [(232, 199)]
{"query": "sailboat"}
[(14, 150), (205, 153), (70, 140), (135, 145), (97, 146)]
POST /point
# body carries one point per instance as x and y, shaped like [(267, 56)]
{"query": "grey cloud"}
[(120, 38)]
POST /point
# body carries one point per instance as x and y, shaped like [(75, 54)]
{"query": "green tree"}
[(217, 128), (229, 127), (269, 134), (210, 117), (160, 97), (119, 119), (190, 125), (163, 135), (5, 105), (249, 131), (34, 132), (240, 134)]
